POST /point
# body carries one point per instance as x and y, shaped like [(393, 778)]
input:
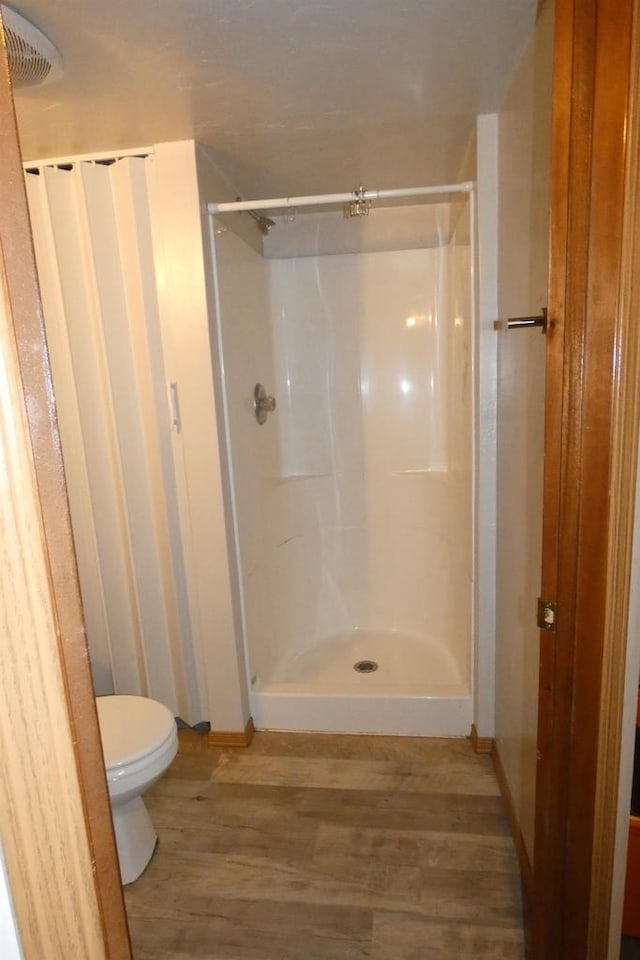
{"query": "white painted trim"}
[(486, 424), (475, 373), (231, 507)]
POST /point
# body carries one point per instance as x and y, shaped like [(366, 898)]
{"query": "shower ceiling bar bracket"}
[(359, 206), (264, 223), (363, 196)]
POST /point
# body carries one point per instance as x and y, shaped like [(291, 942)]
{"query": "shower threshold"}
[(442, 712), (365, 682)]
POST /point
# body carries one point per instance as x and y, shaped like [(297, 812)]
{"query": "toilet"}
[(139, 741)]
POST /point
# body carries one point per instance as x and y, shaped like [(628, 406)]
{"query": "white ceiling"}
[(293, 96)]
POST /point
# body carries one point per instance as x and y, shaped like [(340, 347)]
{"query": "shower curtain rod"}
[(238, 205)]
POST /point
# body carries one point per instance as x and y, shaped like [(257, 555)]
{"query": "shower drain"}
[(365, 666)]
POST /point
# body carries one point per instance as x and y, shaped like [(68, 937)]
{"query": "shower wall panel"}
[(369, 525)]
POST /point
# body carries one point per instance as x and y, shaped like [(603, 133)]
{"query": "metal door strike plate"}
[(547, 613)]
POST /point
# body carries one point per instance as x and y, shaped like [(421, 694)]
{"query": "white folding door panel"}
[(48, 187), (135, 448), (93, 246)]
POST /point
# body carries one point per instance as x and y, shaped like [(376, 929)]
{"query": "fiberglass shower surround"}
[(352, 504)]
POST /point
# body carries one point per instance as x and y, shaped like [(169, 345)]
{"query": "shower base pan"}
[(408, 687)]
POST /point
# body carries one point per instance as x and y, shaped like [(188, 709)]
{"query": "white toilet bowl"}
[(139, 741)]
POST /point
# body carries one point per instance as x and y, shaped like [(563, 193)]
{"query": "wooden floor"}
[(312, 847)]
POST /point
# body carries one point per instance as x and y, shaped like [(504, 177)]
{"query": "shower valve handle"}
[(263, 404)]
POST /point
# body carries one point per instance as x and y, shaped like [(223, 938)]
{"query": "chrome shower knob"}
[(263, 404)]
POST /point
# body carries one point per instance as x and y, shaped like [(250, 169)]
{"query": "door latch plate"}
[(547, 614)]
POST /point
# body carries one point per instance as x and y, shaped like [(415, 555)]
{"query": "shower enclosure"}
[(351, 492)]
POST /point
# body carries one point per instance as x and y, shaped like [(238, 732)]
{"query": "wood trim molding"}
[(67, 894), (626, 419), (526, 871), (232, 738), (480, 744), (552, 766), (40, 796), (586, 357)]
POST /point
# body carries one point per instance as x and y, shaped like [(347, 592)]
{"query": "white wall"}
[(354, 498), (523, 194), (181, 183)]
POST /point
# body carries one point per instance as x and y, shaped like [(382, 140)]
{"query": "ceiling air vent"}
[(32, 58)]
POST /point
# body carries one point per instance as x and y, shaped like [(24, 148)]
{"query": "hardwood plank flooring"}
[(319, 847)]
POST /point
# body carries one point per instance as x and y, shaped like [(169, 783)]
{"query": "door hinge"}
[(547, 614)]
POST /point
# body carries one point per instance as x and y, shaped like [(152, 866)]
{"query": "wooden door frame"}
[(55, 821), (590, 470)]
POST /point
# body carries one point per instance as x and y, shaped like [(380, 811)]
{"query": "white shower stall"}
[(352, 505)]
